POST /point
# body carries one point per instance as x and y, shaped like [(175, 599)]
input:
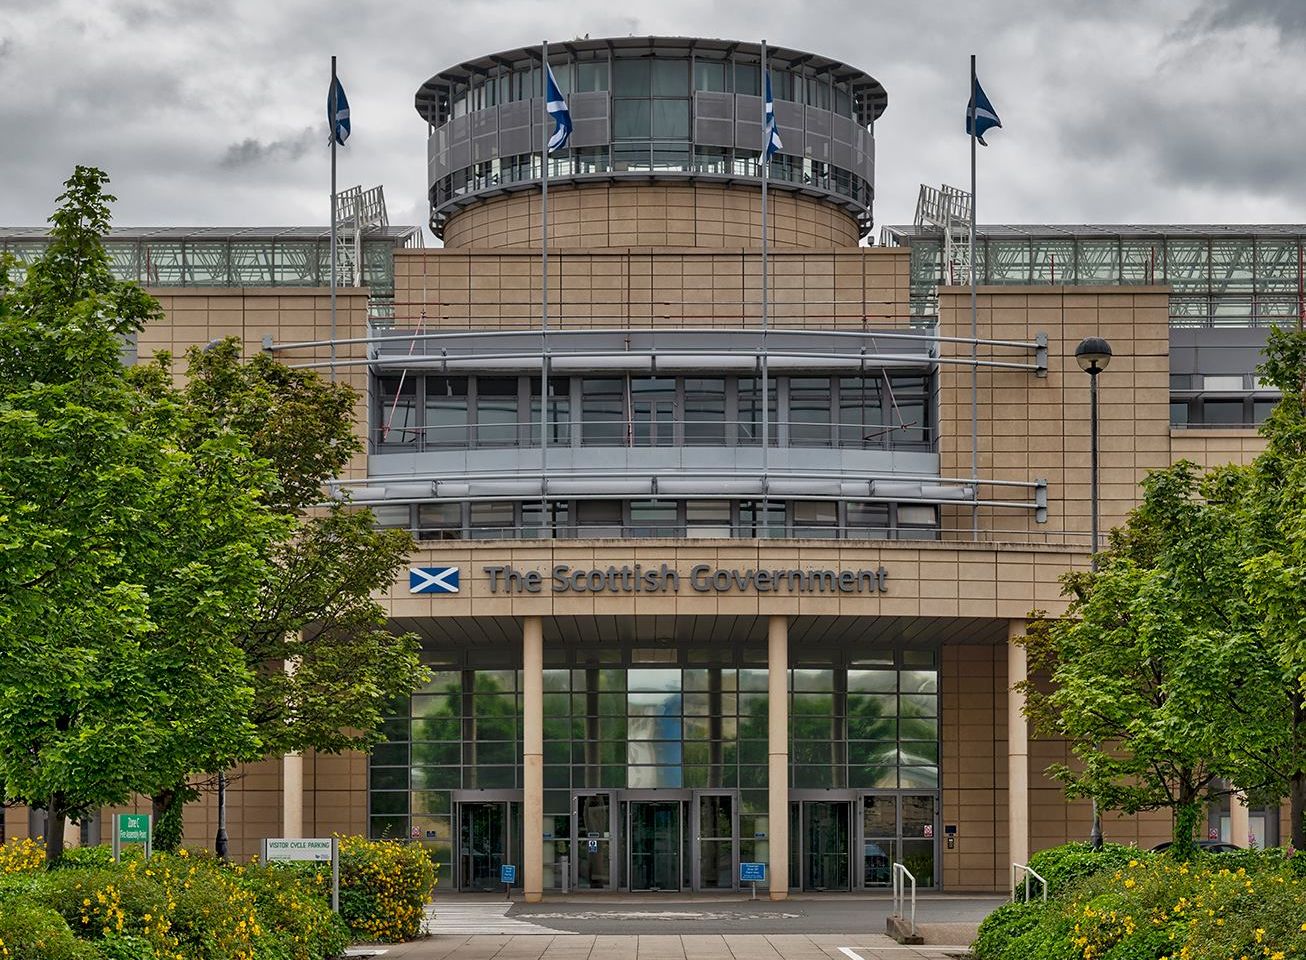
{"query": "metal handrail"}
[(1027, 871), (900, 877)]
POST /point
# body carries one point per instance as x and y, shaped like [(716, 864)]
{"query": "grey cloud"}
[(252, 151), (1288, 17)]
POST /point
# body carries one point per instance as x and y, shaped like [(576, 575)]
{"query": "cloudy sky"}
[(211, 112)]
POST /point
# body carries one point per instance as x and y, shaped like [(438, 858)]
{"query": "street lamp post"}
[(220, 841), (1093, 354)]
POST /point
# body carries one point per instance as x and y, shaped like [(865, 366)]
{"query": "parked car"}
[(1209, 846)]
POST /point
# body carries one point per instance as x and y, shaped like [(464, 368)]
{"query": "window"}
[(533, 526), (809, 411), (654, 518), (446, 412), (1179, 413), (707, 518), (909, 413), (750, 410), (816, 518), (630, 78), (754, 522), (861, 414), (868, 520), (670, 78), (392, 515), (748, 79), (598, 518), (591, 76), (492, 521), (653, 413), (1228, 412), (603, 412), (705, 412), (496, 411), (709, 76), (439, 521), (396, 399), (917, 521), (559, 411)]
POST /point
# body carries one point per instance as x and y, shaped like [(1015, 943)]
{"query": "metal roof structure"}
[(399, 234), (863, 84), (1072, 230)]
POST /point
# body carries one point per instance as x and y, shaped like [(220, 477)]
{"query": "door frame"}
[(850, 797), (677, 796), (898, 796), (573, 868), (461, 798), (696, 836)]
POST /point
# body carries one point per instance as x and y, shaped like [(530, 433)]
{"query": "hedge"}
[(194, 907), (1151, 907)]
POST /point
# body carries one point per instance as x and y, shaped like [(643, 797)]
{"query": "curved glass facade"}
[(652, 106)]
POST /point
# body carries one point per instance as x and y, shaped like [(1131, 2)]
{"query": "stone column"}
[(1240, 821), (533, 759), (292, 795), (1017, 749), (777, 666)]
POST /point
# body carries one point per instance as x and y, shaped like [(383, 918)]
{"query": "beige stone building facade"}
[(710, 571)]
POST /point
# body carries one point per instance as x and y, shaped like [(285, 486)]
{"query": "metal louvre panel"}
[(460, 146), (748, 123), (713, 119), (437, 153), (485, 134), (590, 133), (789, 118), (842, 129), (817, 141), (588, 106), (514, 141)]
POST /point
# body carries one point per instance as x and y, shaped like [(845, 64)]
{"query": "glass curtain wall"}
[(871, 724)]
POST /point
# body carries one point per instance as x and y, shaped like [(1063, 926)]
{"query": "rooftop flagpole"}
[(546, 521), (334, 137), (765, 394), (974, 326)]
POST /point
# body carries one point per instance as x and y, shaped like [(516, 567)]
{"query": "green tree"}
[(315, 639), (1162, 679), (1276, 509), (126, 560)]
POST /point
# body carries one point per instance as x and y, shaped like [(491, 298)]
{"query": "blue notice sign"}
[(507, 874), (752, 873)]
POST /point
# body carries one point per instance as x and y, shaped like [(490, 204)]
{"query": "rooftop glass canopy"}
[(1222, 275)]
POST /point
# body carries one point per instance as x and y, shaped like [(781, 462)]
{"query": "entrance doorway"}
[(826, 841), (593, 853), (482, 843), (716, 820), (901, 828), (655, 838)]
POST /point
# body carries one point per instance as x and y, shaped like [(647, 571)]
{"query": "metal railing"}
[(643, 431), (901, 877), (1021, 869)]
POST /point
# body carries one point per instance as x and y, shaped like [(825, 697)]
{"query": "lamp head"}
[(1093, 354)]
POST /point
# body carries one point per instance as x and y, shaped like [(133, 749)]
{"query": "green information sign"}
[(131, 828)]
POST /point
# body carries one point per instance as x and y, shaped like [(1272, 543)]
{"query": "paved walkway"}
[(665, 947)]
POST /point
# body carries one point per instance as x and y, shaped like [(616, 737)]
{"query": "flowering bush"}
[(21, 856), (29, 931), (384, 888), (294, 909), (1153, 908)]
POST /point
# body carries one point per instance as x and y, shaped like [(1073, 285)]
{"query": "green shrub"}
[(99, 856), (294, 911), (1003, 925), (107, 901), (1064, 865), (384, 888), (124, 948), (29, 931)]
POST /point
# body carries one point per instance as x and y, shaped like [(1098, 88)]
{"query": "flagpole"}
[(334, 128), (546, 522), (974, 326), (765, 396)]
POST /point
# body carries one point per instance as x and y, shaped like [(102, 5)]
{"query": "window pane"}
[(496, 411), (860, 412), (709, 76), (671, 120), (439, 521), (591, 76), (446, 411), (653, 518), (632, 119), (705, 411), (559, 411), (492, 520), (670, 78), (603, 411), (630, 78), (397, 410), (809, 411), (750, 410)]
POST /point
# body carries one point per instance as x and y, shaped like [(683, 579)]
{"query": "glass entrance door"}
[(482, 844), (593, 841), (826, 836), (715, 829), (655, 841), (898, 828)]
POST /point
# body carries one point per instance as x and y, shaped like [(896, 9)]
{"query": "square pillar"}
[(777, 685), (292, 795), (533, 759), (1240, 821), (1017, 748)]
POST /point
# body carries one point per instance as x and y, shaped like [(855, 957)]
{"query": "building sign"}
[(702, 578), (132, 828), (752, 872), (296, 849), (432, 579)]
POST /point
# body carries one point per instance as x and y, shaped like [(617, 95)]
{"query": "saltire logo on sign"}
[(432, 579)]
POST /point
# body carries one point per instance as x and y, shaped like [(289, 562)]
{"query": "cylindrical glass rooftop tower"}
[(667, 131)]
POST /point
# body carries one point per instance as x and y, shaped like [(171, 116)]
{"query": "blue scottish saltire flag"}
[(770, 133), (556, 107), (985, 117), (338, 112)]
